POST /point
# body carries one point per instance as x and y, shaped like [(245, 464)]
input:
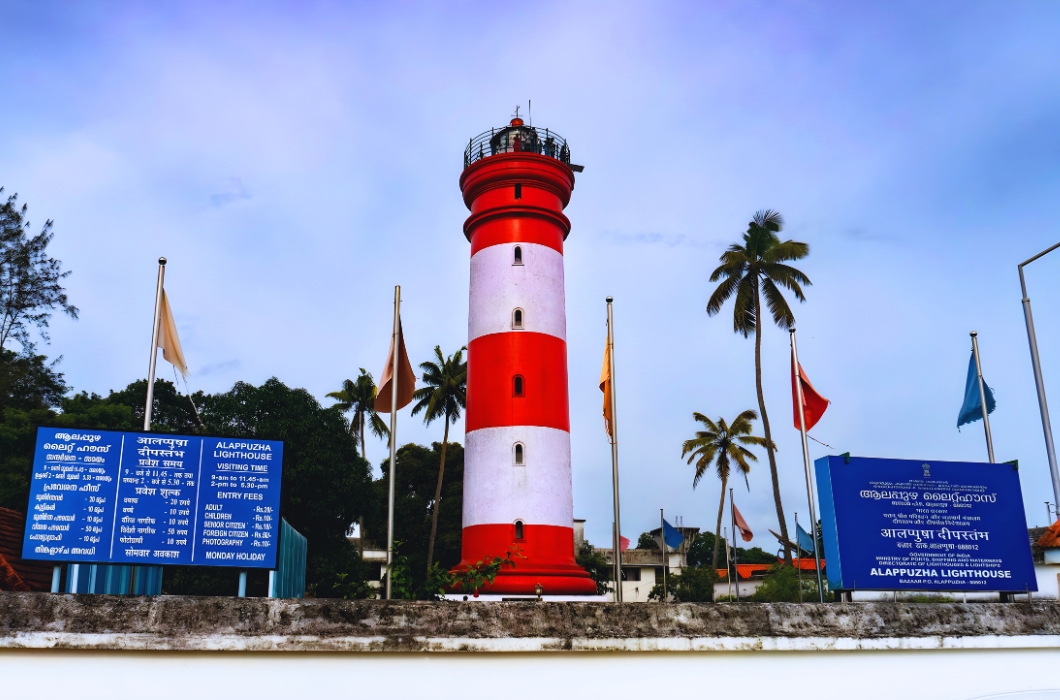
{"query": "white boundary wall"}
[(956, 674)]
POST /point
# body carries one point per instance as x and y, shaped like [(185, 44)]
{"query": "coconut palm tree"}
[(748, 272), (723, 445), (359, 396), (443, 394)]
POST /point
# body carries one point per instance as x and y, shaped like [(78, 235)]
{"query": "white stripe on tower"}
[(498, 287), (496, 490)]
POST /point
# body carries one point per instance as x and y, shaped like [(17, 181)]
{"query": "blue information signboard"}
[(141, 498), (899, 524)]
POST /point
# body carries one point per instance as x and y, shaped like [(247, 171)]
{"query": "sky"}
[(294, 161)]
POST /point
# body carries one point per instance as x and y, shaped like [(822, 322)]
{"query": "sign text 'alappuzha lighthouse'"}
[(517, 470)]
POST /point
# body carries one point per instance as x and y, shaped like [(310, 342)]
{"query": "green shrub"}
[(694, 584), (781, 585)]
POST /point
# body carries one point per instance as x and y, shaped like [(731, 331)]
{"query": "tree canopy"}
[(30, 279), (417, 477)]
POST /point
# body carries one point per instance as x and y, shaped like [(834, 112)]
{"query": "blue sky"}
[(294, 161)]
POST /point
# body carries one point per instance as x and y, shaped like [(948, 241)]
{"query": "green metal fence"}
[(288, 581)]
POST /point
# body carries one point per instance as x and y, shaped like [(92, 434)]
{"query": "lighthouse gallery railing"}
[(512, 139)]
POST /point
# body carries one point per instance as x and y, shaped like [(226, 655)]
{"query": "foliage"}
[(29, 382), (755, 555), (31, 391), (692, 584), (646, 541), (472, 577), (417, 475), (723, 445), (443, 395), (599, 570), (171, 411), (440, 580), (30, 279), (358, 396), (747, 273), (701, 548), (781, 585), (350, 587), (758, 268)]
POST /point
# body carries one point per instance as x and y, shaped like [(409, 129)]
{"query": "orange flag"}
[(406, 379), (813, 404), (167, 337), (605, 386), (745, 532)]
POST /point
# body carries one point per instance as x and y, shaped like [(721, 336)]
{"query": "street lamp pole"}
[(1039, 383)]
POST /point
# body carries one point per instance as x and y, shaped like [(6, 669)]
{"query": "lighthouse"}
[(518, 498)]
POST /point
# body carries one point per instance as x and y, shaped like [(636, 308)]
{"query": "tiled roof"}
[(17, 574), (746, 571), (1050, 537)]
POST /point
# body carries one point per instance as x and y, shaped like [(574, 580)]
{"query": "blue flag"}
[(672, 536), (805, 540), (972, 408)]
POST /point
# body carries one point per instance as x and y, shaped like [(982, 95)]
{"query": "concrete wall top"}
[(42, 620)]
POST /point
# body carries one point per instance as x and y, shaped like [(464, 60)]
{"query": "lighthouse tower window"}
[(517, 319), (518, 255), (518, 529), (519, 454), (517, 386), (518, 191)]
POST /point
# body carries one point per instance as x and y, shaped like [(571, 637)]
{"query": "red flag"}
[(745, 532), (623, 543), (813, 404)]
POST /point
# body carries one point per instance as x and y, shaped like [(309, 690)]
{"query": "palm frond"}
[(787, 251), (725, 290), (785, 275), (769, 219), (778, 305)]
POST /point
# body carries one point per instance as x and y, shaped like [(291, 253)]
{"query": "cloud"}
[(219, 368), (654, 238), (864, 235), (235, 192)]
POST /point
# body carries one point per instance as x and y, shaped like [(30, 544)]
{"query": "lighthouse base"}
[(543, 557)]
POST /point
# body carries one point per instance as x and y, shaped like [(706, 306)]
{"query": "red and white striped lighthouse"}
[(517, 470)]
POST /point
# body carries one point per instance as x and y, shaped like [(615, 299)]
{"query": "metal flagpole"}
[(798, 554), (393, 441), (154, 346), (735, 556), (614, 449), (1039, 383), (806, 463), (982, 396), (662, 543), (616, 575), (728, 562)]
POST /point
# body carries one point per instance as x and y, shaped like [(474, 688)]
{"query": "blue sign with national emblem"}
[(899, 524), (100, 496)]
